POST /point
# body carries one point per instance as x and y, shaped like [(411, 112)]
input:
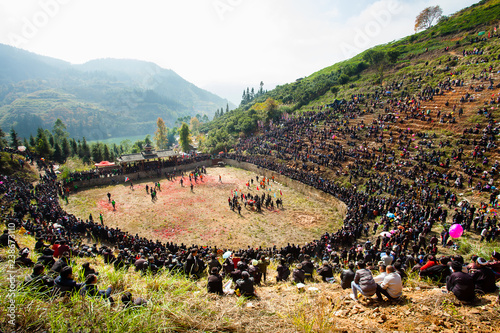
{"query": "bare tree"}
[(427, 17)]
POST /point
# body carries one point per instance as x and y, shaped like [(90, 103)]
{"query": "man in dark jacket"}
[(245, 285), (347, 276), (298, 274), (484, 278), (308, 266), (65, 283), (215, 282), (326, 271), (37, 280), (283, 271), (460, 284), (91, 290)]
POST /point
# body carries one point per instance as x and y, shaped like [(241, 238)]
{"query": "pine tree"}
[(227, 107), (58, 154), (14, 138), (96, 152), (74, 147), (105, 154), (66, 148), (3, 141), (32, 141)]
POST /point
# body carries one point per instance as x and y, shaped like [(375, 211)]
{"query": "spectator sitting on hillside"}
[(308, 267), (86, 269), (298, 274), (363, 282), (37, 280), (23, 260), (391, 287), (5, 238), (214, 284), (326, 271), (128, 300), (245, 285), (382, 268), (60, 264), (484, 278), (283, 271), (347, 276), (90, 288), (65, 282), (437, 272), (460, 284)]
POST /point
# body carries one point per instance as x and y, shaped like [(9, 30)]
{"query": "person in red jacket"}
[(431, 261)]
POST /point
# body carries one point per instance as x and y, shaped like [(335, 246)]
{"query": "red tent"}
[(104, 164)]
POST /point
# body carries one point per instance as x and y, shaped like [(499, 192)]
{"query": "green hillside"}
[(367, 72), (101, 99)]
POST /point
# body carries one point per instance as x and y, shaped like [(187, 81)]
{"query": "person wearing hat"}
[(214, 284), (460, 284), (23, 260), (484, 278), (298, 274)]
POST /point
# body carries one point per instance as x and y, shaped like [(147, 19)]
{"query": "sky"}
[(223, 46)]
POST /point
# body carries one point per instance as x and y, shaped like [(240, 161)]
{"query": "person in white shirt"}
[(382, 268), (391, 287)]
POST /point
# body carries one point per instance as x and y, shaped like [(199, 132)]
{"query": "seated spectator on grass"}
[(298, 274), (65, 283), (391, 287), (129, 301), (91, 290), (437, 272), (214, 263), (86, 270), (363, 282), (484, 278), (325, 271), (37, 280), (60, 264), (5, 238), (398, 266), (40, 247), (214, 284), (347, 276), (23, 260), (46, 258), (283, 271), (254, 271), (460, 284), (308, 267), (245, 285)]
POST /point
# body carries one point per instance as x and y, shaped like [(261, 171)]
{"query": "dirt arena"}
[(203, 217)]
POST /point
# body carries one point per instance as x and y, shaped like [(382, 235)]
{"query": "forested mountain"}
[(100, 99)]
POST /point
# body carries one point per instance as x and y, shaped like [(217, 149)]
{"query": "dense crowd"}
[(400, 187)]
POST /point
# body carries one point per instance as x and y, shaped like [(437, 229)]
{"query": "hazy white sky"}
[(220, 45)]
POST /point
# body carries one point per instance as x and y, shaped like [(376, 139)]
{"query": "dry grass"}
[(203, 216)]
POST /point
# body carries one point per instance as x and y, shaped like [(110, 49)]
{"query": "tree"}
[(343, 79), (42, 144), (106, 156), (393, 55), (335, 91), (147, 140), (3, 142), (161, 134), (14, 139), (96, 152), (427, 17), (194, 125), (59, 131), (58, 154), (66, 148), (185, 137)]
